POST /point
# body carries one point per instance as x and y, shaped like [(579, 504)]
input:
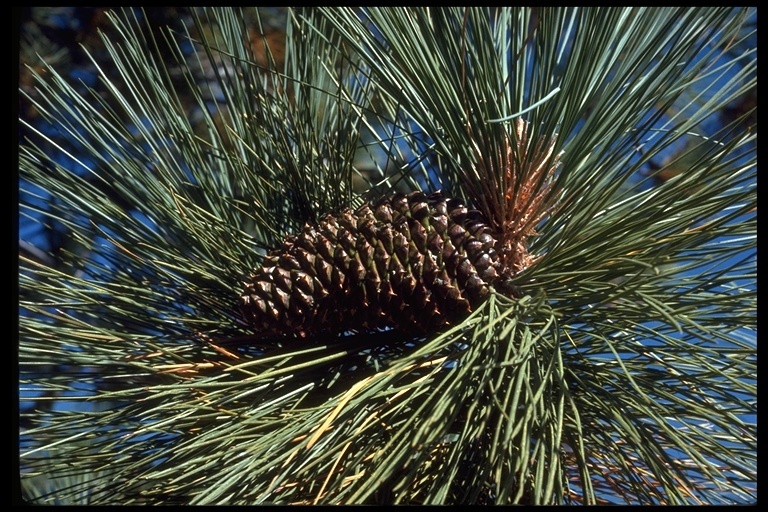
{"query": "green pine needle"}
[(624, 371)]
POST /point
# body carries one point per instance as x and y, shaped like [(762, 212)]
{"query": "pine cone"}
[(412, 262)]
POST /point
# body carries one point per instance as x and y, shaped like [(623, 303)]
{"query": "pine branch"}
[(609, 358)]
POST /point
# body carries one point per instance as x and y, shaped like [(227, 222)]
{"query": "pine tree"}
[(415, 261)]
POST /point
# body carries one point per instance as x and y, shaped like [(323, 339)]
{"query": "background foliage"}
[(625, 372)]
